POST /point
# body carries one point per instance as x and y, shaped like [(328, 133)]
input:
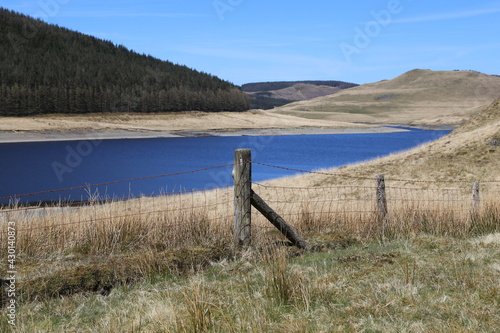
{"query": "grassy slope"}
[(272, 94), (301, 91), (466, 154), (416, 97)]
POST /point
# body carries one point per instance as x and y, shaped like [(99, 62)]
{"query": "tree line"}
[(49, 69)]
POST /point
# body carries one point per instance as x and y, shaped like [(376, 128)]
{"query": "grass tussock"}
[(425, 284), (65, 251), (104, 275)]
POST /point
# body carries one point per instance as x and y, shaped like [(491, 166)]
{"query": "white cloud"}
[(447, 16), (245, 54), (104, 14)]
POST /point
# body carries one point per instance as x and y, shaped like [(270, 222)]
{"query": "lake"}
[(44, 166)]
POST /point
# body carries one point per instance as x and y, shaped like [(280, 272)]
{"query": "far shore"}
[(171, 125), (76, 135)]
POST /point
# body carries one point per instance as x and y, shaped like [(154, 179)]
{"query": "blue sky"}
[(246, 41)]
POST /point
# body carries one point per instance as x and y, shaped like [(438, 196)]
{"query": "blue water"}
[(41, 166)]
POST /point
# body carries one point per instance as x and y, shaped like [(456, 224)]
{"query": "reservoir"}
[(32, 167)]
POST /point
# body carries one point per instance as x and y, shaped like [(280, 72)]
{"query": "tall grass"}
[(64, 250), (425, 284)]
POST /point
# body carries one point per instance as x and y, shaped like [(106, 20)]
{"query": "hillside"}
[(418, 97), (267, 95), (48, 69), (469, 153)]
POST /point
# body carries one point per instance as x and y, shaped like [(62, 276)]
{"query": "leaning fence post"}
[(381, 200), (242, 175), (278, 221), (475, 197)]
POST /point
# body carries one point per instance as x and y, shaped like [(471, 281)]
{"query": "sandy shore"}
[(76, 135), (167, 125)]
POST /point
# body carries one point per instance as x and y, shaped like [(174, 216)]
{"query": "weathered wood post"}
[(278, 221), (475, 197), (381, 202), (242, 174)]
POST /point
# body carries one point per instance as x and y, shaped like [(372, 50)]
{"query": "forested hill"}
[(269, 86), (267, 95), (48, 69)]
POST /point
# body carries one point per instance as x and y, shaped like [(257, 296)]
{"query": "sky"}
[(245, 41)]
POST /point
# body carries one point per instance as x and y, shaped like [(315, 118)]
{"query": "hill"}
[(470, 153), (267, 95), (419, 97), (48, 69)]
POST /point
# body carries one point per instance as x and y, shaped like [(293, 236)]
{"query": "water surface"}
[(41, 166)]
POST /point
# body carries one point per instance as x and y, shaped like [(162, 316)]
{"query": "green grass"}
[(423, 284)]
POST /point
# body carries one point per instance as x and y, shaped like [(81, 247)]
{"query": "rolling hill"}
[(267, 95), (418, 97), (49, 69)]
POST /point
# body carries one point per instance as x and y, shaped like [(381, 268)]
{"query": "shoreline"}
[(78, 135)]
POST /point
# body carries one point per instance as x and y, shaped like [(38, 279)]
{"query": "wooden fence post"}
[(242, 175), (475, 197), (381, 201), (278, 221)]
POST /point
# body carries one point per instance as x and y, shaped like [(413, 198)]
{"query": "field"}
[(168, 264)]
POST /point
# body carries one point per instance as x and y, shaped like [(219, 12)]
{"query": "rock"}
[(495, 143)]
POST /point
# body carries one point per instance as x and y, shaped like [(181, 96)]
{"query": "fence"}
[(367, 207), (363, 206), (94, 245)]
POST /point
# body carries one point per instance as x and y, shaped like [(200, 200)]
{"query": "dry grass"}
[(66, 251), (178, 121), (467, 154), (424, 284), (97, 247), (417, 97)]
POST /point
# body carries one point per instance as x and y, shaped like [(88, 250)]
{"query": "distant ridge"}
[(419, 97), (48, 69), (267, 95)]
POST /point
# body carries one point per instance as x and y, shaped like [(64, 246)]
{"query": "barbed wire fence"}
[(408, 206), (102, 226)]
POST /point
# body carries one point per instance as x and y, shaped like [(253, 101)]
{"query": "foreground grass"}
[(423, 284), (168, 264)]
